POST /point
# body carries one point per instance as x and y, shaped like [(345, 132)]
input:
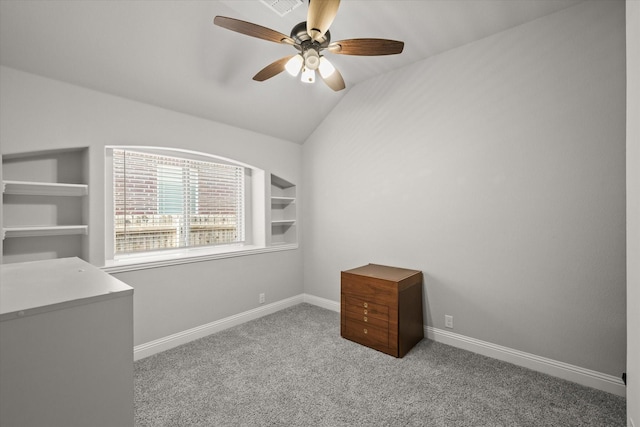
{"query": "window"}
[(164, 202)]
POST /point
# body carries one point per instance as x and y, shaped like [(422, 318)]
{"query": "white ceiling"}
[(169, 53)]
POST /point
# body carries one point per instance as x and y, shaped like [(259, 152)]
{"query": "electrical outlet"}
[(448, 321), (261, 298)]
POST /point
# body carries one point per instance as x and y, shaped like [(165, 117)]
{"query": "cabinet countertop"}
[(30, 288)]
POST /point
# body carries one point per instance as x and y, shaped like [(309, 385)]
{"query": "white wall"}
[(498, 169), (633, 210), (42, 114)]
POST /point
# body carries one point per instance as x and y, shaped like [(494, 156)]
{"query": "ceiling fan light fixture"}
[(310, 38), (308, 75), (326, 68), (311, 59), (294, 65)]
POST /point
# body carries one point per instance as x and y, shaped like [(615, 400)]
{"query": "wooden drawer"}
[(366, 319), (370, 289), (362, 307), (366, 334)]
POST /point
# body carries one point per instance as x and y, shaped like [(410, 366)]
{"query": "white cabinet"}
[(66, 346), (283, 212)]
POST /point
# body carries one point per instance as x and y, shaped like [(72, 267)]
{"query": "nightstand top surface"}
[(393, 274)]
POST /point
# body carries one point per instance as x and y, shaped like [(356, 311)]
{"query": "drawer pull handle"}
[(366, 305), (365, 312), (365, 331), (365, 318)]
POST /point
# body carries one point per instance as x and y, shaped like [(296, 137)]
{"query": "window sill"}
[(164, 260)]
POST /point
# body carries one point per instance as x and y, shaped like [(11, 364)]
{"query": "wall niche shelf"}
[(283, 212), (42, 231), (284, 222), (276, 200), (27, 188), (45, 205)]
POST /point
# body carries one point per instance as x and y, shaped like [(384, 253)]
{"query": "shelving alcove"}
[(283, 212), (43, 202)]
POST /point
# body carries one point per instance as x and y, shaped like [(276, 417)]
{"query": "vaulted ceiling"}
[(169, 53)]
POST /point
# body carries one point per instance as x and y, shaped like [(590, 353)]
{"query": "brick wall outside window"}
[(165, 202)]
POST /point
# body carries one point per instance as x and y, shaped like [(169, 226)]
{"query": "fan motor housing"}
[(301, 37)]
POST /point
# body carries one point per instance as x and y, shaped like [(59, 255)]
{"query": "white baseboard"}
[(322, 302), (573, 373), (552, 367), (156, 346)]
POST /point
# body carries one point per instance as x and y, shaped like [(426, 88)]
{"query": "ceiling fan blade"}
[(320, 16), (252, 30), (272, 69), (334, 81), (366, 47)]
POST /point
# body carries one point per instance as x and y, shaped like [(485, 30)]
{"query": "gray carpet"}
[(292, 368)]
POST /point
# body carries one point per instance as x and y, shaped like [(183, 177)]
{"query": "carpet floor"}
[(292, 368)]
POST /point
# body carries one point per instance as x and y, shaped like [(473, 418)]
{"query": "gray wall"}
[(633, 210), (43, 114), (498, 169)]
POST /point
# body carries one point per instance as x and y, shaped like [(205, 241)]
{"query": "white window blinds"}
[(165, 202)]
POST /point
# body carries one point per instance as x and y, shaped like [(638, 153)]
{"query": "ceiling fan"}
[(311, 38)]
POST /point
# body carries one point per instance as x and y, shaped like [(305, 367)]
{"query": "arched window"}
[(169, 202), (173, 204)]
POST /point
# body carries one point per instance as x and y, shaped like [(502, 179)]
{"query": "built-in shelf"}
[(40, 231), (283, 212), (276, 200), (282, 245), (44, 188), (45, 205), (284, 222)]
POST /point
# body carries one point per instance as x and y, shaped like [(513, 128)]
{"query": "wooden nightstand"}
[(381, 308)]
